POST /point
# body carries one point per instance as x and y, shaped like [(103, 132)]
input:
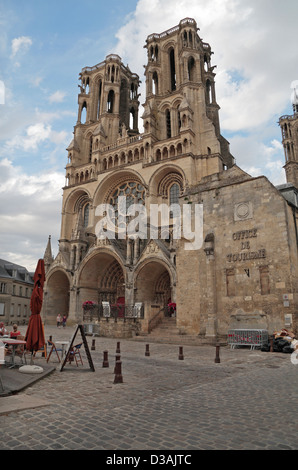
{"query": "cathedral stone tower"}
[(180, 93), (108, 158), (289, 129)]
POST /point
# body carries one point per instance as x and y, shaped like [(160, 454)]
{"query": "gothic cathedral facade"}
[(240, 272)]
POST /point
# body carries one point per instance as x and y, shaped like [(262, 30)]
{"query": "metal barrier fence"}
[(114, 312), (245, 337)]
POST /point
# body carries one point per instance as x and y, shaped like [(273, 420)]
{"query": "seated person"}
[(15, 333), (3, 330)]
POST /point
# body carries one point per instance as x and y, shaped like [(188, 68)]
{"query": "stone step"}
[(168, 332)]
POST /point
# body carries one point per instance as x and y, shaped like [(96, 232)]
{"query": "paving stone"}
[(161, 405)]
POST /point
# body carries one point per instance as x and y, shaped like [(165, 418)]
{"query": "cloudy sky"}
[(44, 46)]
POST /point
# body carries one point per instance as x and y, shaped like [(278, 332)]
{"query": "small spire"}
[(294, 96), (48, 257)]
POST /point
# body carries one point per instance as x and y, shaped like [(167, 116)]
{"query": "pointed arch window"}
[(87, 86), (172, 70), (155, 83), (191, 69), (90, 148), (132, 118), (110, 102), (174, 194), (84, 113), (86, 215), (179, 119), (168, 124), (99, 98)]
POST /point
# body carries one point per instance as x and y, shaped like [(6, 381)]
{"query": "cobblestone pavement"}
[(248, 401)]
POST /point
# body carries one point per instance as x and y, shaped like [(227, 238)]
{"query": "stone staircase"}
[(168, 332)]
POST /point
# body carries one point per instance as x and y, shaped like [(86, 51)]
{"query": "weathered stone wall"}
[(254, 265), (119, 329)]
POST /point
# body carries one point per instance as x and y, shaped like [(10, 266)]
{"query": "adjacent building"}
[(16, 285)]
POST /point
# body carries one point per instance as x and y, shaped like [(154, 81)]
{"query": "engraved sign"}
[(246, 254), (243, 211)]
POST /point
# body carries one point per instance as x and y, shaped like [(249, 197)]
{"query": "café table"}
[(14, 343), (63, 346)]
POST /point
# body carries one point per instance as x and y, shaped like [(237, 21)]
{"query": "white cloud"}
[(21, 44), (57, 97), (35, 134), (29, 212)]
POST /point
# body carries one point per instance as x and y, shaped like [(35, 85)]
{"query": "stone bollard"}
[(117, 358), (147, 352), (217, 358), (105, 359), (118, 348), (180, 357), (118, 374), (93, 345), (271, 343)]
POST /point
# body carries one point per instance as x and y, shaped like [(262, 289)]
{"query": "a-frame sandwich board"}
[(81, 329)]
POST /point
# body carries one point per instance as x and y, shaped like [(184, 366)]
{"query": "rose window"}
[(132, 191)]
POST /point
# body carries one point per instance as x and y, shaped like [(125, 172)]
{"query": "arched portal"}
[(153, 283), (102, 279), (57, 296)]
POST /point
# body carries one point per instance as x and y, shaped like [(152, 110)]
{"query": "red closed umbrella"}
[(35, 334)]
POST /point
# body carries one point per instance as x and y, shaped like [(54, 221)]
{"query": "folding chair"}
[(53, 349), (42, 350), (74, 352)]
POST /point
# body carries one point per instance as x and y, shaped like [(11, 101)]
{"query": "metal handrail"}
[(117, 311)]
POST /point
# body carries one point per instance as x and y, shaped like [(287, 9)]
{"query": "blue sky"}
[(44, 46)]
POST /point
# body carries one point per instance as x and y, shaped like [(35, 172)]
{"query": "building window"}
[(99, 99), (3, 288), (172, 70), (86, 215), (90, 148), (179, 120), (133, 192), (110, 102), (84, 113), (2, 309), (191, 69), (168, 124), (155, 84), (174, 194)]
